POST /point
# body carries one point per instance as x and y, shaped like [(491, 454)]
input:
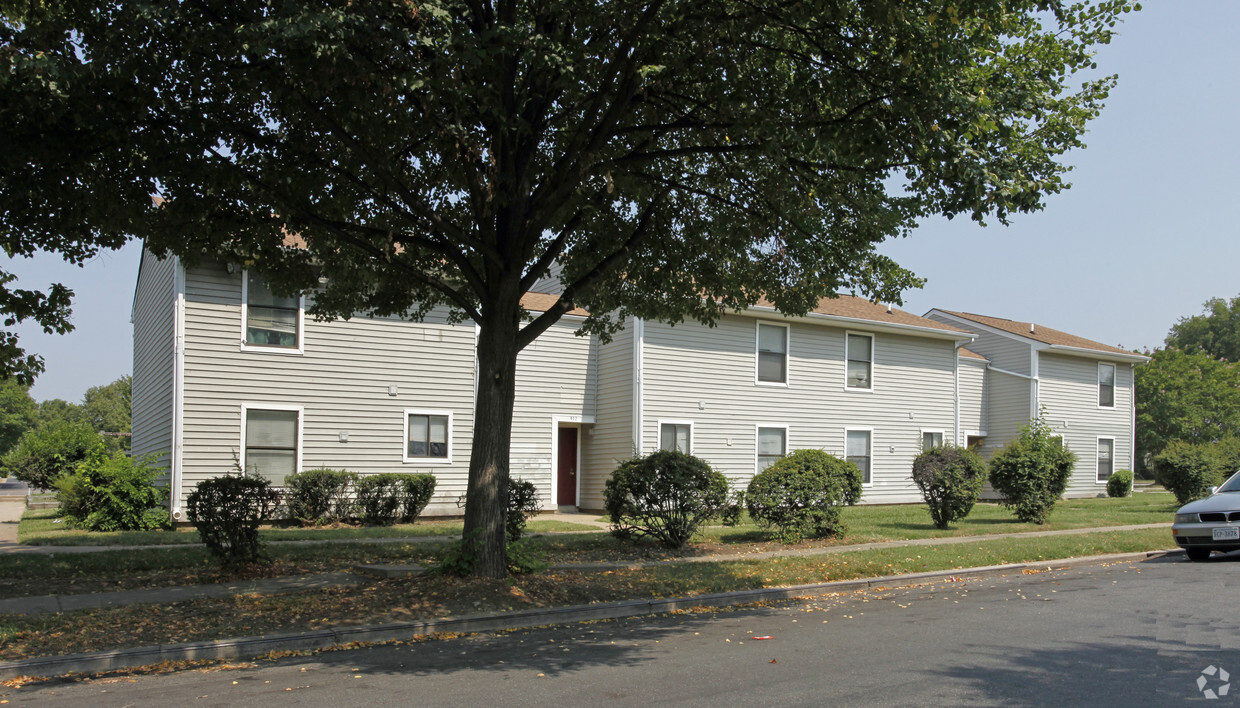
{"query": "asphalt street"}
[(1130, 634)]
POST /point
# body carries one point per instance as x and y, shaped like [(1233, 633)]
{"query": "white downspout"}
[(178, 392), (639, 334)]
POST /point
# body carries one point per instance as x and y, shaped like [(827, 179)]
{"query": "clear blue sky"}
[(1144, 237)]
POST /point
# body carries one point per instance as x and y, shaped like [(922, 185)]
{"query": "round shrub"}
[(1032, 472), (666, 495), (1188, 470), (227, 511), (416, 493), (950, 479), (1120, 484), (380, 498), (801, 495), (113, 492)]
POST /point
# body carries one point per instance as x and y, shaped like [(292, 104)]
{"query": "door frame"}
[(567, 421)]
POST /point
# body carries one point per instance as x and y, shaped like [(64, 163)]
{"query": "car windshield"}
[(1231, 485)]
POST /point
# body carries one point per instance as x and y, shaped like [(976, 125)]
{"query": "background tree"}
[(1185, 395), (677, 158), (108, 410), (1216, 332), (17, 413)]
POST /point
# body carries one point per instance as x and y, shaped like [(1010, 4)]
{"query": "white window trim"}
[(404, 439), (301, 323), (921, 439), (787, 354), (870, 452), (301, 426), (757, 432), (1098, 454), (873, 367), (1114, 386), (659, 428)]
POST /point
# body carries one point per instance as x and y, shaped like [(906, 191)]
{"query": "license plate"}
[(1231, 533)]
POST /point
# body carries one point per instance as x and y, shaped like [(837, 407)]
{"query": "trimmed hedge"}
[(319, 496), (950, 479), (666, 495), (380, 498), (1120, 484), (1189, 470), (801, 495), (227, 511), (416, 493)]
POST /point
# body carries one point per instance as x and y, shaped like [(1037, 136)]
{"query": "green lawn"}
[(39, 527), (438, 596)]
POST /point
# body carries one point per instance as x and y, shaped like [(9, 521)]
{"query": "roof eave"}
[(934, 332), (1097, 353)]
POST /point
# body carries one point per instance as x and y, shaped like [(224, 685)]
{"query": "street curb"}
[(250, 647)]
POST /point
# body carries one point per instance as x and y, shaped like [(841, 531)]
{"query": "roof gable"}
[(1038, 333)]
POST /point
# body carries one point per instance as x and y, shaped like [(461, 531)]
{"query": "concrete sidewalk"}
[(272, 586)]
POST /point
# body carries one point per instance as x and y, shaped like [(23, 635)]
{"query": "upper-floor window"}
[(931, 439), (271, 321), (1106, 385), (676, 436), (772, 353), (1106, 458), (772, 446), (428, 436), (857, 451), (859, 351), (271, 442)]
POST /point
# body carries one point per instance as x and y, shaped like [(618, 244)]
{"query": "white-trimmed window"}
[(858, 450), (772, 445), (773, 353), (1106, 458), (271, 441), (428, 436), (1106, 385), (859, 356), (676, 435), (268, 321), (931, 439)]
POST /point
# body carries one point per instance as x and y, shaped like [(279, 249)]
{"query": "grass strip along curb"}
[(252, 647)]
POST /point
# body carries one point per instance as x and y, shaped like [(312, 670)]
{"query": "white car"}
[(1210, 524)]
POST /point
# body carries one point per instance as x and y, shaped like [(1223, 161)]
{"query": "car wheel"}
[(1198, 554)]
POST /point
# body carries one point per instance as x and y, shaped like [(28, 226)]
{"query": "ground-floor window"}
[(676, 436), (270, 443), (974, 442), (428, 436), (931, 439), (772, 446), (857, 451), (1106, 458)]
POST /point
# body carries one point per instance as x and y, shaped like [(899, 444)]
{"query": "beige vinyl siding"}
[(973, 397), (154, 357), (707, 375), (1008, 399), (610, 439), (1003, 351), (557, 375), (341, 380), (550, 283), (1068, 388)]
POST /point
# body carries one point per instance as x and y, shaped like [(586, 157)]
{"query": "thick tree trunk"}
[(487, 497)]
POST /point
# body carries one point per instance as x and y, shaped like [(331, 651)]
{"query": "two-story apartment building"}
[(228, 375)]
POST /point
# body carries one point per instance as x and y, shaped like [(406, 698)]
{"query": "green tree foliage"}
[(57, 411), (108, 410), (50, 452), (1216, 332), (950, 479), (17, 413), (801, 495), (677, 159), (1187, 396), (1032, 472)]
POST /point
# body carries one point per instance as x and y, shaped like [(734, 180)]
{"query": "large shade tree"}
[(675, 159)]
